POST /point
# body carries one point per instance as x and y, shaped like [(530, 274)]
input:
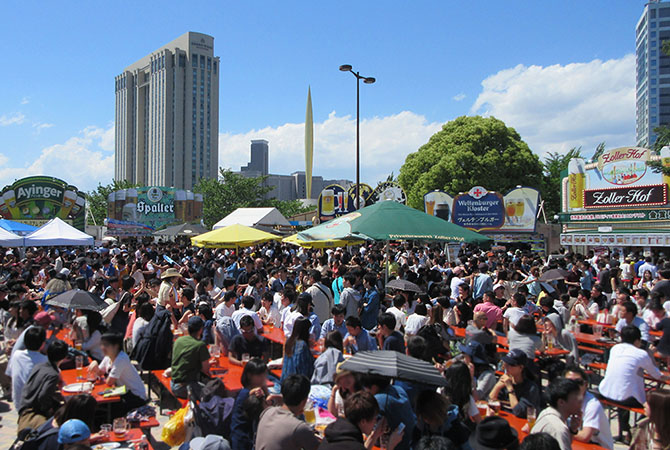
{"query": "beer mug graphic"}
[(10, 200), (576, 183), (327, 202), (69, 198)]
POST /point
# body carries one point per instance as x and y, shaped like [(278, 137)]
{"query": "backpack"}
[(227, 330), (31, 438)]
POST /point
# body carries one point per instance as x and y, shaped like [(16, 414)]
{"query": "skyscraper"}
[(167, 115), (652, 106)]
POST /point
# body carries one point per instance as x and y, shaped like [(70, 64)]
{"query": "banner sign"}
[(617, 240), (388, 190), (641, 215), (154, 207), (125, 228), (479, 209), (336, 201), (36, 200), (438, 203), (622, 197)]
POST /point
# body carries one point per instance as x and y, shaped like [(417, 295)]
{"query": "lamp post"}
[(366, 80)]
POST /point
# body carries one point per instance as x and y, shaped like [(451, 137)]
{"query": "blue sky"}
[(430, 59)]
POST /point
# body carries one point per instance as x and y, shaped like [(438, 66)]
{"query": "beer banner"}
[(439, 204), (40, 199), (623, 197), (335, 201)]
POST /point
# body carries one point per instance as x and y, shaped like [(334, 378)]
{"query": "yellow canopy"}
[(295, 240), (232, 236)]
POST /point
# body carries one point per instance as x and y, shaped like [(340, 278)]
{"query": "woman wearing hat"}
[(517, 384), (167, 294)]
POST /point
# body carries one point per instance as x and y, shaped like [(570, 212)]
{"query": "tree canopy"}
[(467, 152)]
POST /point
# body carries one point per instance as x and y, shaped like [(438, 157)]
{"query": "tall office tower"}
[(167, 115), (258, 166), (652, 107)]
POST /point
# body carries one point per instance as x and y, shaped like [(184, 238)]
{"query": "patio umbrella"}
[(553, 275), (78, 299), (391, 221), (232, 236), (392, 364), (403, 285), (295, 240)]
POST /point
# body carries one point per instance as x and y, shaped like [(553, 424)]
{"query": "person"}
[(417, 320), (254, 383), (585, 307), (524, 337), (481, 282), (247, 310), (80, 406), (247, 342), (321, 296), (478, 331), (484, 376), (565, 401), (539, 441), (95, 328), (628, 317), (146, 312), (397, 310), (25, 360), (653, 432), (73, 432), (298, 358), (561, 338), (41, 394), (280, 427), (346, 383), (392, 339), (494, 433), (394, 405), (459, 390), (492, 312), (346, 433), (350, 298), (595, 423), (227, 307), (335, 323), (167, 293), (370, 302), (623, 382), (269, 313), (437, 417), (190, 359), (662, 286), (117, 370), (517, 383), (325, 365), (514, 311), (357, 339)]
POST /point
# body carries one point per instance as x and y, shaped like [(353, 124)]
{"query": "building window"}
[(652, 72), (182, 61), (652, 44), (652, 53), (214, 67), (194, 60), (653, 63), (202, 61), (653, 34)]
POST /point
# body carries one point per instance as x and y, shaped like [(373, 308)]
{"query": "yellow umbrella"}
[(232, 236), (329, 243)]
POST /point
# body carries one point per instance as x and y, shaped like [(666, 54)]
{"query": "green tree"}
[(554, 165), (467, 152), (97, 200), (227, 193), (600, 149)]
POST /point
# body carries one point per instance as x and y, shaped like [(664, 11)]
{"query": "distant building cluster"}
[(285, 187)]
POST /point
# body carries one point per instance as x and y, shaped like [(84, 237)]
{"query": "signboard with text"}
[(623, 197), (479, 209), (336, 201)]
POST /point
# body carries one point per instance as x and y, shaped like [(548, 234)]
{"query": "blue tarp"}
[(19, 228)]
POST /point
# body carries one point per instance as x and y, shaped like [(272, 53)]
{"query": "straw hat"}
[(170, 273)]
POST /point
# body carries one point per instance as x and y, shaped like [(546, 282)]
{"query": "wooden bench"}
[(587, 349), (164, 385)]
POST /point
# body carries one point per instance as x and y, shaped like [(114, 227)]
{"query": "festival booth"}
[(618, 203), (233, 236), (265, 219), (18, 228), (9, 239), (57, 233)]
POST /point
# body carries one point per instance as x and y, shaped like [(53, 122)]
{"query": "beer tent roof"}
[(56, 233), (17, 227), (261, 218), (9, 239)]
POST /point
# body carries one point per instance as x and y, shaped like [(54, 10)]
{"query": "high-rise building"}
[(167, 115), (258, 165), (652, 105)]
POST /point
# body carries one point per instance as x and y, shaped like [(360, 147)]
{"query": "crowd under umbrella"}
[(78, 299), (403, 285), (392, 364), (553, 275)]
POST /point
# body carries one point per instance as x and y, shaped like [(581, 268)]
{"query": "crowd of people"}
[(171, 307)]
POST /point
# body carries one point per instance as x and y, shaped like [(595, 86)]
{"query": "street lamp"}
[(366, 80)]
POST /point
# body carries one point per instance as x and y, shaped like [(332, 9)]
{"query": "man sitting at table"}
[(25, 360), (247, 310), (393, 340), (357, 338), (247, 342), (595, 423), (336, 323), (565, 400), (629, 317), (41, 393), (624, 377), (190, 358)]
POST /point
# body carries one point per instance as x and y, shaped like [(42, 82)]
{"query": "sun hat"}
[(169, 273)]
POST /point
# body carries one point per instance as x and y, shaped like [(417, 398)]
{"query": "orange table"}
[(502, 342), (274, 334), (70, 376), (133, 435), (592, 322)]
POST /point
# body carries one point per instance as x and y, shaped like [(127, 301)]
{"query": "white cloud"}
[(39, 126), (385, 142), (83, 160), (12, 119), (25, 100), (558, 107), (459, 97)]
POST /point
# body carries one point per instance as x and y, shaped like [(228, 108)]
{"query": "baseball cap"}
[(497, 286), (516, 357), (474, 350), (211, 442), (73, 431), (43, 318), (195, 322)]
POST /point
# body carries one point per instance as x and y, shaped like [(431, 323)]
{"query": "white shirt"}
[(272, 315), (138, 326), (222, 310), (400, 317), (289, 321), (125, 374), (637, 322), (23, 362), (414, 324), (623, 378), (92, 345), (593, 416), (650, 317), (237, 315), (513, 314), (455, 282)]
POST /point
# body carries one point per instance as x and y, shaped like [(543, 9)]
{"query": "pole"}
[(358, 141)]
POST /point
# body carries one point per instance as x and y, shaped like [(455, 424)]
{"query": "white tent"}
[(9, 239), (58, 234), (261, 218)]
